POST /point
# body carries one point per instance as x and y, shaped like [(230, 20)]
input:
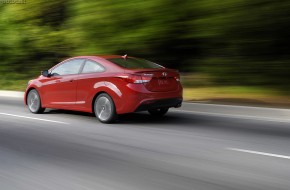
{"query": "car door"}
[(60, 89), (91, 74)]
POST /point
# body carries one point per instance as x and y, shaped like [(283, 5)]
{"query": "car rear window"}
[(135, 63)]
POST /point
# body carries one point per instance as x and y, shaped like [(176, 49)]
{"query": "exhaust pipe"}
[(178, 105)]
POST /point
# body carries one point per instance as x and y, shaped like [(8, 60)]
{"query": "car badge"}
[(164, 74)]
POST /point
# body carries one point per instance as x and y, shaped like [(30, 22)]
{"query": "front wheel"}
[(34, 102), (104, 108), (158, 112)]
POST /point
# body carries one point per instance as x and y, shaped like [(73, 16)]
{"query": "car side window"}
[(68, 68), (92, 67)]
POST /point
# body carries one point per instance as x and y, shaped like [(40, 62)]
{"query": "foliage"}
[(244, 42)]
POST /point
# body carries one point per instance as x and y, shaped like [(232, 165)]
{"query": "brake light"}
[(136, 79), (146, 77), (177, 78)]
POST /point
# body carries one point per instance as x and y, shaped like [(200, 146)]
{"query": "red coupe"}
[(106, 86)]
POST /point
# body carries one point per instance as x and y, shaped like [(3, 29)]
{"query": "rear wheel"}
[(34, 102), (104, 108), (158, 112)]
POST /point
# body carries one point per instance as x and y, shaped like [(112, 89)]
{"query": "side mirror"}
[(45, 73)]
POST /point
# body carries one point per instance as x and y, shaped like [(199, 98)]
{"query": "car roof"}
[(100, 56)]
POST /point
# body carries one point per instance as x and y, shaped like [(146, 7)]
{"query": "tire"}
[(34, 102), (158, 112), (105, 109)]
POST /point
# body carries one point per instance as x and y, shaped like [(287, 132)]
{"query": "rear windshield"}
[(135, 63)]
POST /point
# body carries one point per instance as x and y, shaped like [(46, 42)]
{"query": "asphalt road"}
[(185, 150)]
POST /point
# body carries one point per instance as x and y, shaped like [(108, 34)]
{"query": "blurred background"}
[(231, 50)]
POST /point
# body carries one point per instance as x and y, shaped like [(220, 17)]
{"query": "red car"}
[(106, 86)]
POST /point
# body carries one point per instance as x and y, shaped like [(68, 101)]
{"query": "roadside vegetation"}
[(229, 49)]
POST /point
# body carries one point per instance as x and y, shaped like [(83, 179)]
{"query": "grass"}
[(237, 94), (200, 87), (15, 85)]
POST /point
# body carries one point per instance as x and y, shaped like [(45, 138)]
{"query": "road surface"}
[(198, 146)]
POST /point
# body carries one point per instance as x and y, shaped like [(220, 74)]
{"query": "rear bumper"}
[(135, 97), (163, 103)]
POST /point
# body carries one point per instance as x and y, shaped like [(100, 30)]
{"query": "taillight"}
[(146, 77), (136, 79), (177, 78)]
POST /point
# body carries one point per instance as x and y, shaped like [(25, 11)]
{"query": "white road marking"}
[(33, 118), (259, 118), (260, 153)]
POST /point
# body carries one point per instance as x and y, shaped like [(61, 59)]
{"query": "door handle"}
[(58, 81)]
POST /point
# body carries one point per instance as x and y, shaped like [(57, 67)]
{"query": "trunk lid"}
[(160, 80)]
